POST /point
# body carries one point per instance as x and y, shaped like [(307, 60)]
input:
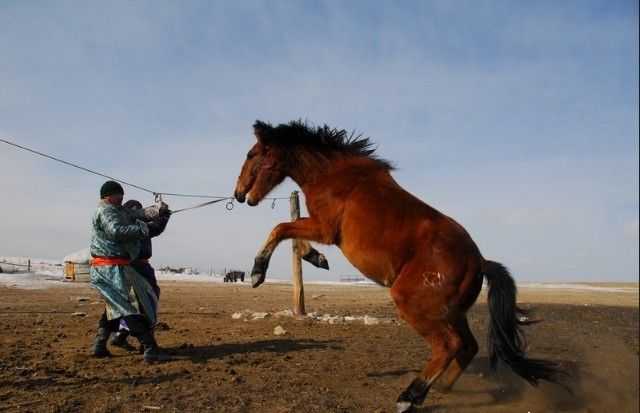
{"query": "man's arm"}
[(117, 229), (157, 226)]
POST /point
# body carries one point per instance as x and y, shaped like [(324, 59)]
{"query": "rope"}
[(76, 166), (204, 204), (154, 193)]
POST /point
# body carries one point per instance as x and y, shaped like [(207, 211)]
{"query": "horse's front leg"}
[(312, 255), (303, 228)]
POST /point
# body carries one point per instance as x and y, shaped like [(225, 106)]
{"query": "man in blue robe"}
[(116, 241)]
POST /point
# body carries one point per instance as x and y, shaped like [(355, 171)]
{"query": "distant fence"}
[(351, 278), (10, 267), (18, 267), (212, 271)]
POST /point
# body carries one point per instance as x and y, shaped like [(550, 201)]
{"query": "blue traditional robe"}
[(117, 233)]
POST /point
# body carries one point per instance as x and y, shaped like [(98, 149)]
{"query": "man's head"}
[(112, 193), (132, 204)]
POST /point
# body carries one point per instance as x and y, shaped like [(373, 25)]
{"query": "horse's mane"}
[(323, 139)]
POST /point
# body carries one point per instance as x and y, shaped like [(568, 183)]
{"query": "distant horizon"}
[(276, 278)]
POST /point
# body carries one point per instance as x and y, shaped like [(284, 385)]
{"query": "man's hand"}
[(164, 210), (159, 209), (151, 212)]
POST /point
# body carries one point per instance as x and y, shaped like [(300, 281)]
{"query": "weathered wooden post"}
[(29, 265), (298, 288)]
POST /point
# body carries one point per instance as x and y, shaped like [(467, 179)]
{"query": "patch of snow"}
[(241, 314), (259, 316), (324, 318), (33, 281), (172, 276), (371, 321), (284, 313)]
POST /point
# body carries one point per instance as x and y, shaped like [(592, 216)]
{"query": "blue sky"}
[(519, 120)]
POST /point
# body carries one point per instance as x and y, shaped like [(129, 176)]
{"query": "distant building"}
[(77, 265)]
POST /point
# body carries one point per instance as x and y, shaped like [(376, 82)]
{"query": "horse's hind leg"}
[(445, 344), (463, 357), (423, 307)]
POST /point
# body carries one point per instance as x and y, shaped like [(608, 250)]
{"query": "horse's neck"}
[(333, 179), (306, 167)]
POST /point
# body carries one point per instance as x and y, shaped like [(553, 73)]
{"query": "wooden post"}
[(298, 288), (29, 265)]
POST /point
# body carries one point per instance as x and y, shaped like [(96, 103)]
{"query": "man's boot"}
[(152, 352), (99, 348), (119, 339)]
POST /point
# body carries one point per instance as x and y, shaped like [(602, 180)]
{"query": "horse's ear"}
[(261, 130)]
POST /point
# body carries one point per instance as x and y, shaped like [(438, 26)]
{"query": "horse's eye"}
[(250, 155)]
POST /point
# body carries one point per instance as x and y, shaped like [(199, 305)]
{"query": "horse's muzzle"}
[(239, 196)]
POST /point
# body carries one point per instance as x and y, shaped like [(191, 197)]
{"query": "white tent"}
[(77, 265)]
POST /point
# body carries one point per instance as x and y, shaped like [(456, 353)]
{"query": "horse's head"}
[(264, 168)]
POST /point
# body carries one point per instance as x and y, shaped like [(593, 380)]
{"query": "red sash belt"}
[(102, 261)]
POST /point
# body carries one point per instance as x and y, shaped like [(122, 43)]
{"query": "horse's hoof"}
[(405, 407), (322, 262), (259, 271), (257, 279), (412, 396), (317, 259)]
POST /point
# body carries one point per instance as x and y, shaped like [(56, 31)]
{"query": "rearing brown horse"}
[(428, 260)]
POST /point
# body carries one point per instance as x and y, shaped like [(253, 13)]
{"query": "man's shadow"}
[(200, 354)]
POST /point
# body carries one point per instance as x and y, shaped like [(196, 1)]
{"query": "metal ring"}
[(229, 205)]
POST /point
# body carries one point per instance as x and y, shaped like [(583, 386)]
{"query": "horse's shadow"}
[(200, 354)]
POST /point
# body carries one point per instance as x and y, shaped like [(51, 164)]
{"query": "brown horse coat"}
[(430, 263)]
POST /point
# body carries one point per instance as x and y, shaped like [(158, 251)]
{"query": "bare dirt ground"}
[(229, 365)]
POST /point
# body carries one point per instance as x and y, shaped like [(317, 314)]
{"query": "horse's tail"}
[(506, 340)]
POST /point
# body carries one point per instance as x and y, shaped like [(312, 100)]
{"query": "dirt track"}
[(231, 365)]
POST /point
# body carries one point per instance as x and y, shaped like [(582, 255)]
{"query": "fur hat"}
[(111, 188)]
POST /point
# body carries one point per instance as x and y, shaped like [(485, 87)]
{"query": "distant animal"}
[(234, 276), (430, 263)]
